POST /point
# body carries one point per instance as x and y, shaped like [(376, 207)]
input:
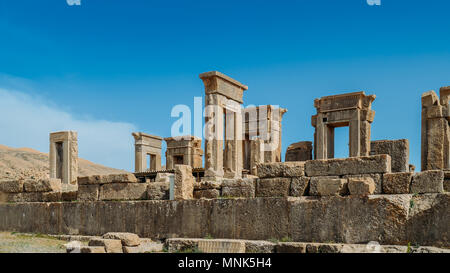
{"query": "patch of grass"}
[(286, 239), (208, 236), (273, 240)]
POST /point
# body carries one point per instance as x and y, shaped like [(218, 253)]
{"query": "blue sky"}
[(107, 68)]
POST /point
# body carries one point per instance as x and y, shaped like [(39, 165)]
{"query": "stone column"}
[(355, 137), (256, 154)]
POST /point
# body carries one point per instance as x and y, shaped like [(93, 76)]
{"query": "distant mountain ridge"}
[(16, 163)]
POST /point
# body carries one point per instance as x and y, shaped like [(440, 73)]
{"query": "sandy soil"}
[(30, 243)]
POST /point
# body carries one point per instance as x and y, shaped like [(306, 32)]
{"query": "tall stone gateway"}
[(223, 125), (147, 152), (352, 110), (435, 154), (64, 156)]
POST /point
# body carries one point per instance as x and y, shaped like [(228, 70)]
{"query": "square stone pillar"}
[(222, 92), (147, 145), (256, 154), (64, 156)]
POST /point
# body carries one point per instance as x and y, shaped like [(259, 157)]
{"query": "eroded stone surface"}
[(123, 191), (299, 186), (397, 183), (428, 182), (326, 186), (273, 187), (11, 186), (347, 166), (361, 186), (127, 239), (281, 169)]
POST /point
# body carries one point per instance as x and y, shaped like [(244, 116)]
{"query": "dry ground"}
[(11, 242)]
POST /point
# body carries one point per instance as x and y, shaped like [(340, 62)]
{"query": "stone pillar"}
[(64, 156), (183, 183), (222, 92), (256, 154), (435, 130), (147, 145), (355, 135)]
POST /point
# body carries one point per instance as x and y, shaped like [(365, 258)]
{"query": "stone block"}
[(127, 239), (273, 187), (68, 196), (252, 246), (347, 166), (158, 191), (11, 186), (43, 185), (92, 249), (325, 186), (377, 178), (239, 188), (397, 183), (361, 186), (92, 179), (221, 246), (290, 247), (24, 197), (281, 169), (299, 186), (300, 151), (428, 182), (123, 191), (88, 192), (119, 178), (207, 185), (183, 182), (52, 196), (206, 194), (447, 185), (397, 149), (110, 245)]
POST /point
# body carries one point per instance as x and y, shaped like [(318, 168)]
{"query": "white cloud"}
[(26, 121)]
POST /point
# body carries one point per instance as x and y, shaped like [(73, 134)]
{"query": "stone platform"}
[(421, 219)]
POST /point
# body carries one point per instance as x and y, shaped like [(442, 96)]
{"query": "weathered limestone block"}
[(273, 187), (397, 149), (447, 185), (158, 191), (52, 196), (290, 247), (119, 178), (110, 245), (88, 192), (92, 249), (183, 183), (207, 185), (221, 246), (24, 197), (92, 179), (299, 186), (252, 246), (123, 191), (397, 183), (206, 194), (428, 182), (346, 166), (325, 186), (281, 169), (239, 188), (377, 178), (127, 239), (43, 185), (361, 186), (68, 196), (12, 186)]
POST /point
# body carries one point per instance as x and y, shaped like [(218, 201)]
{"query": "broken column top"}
[(178, 138), (355, 100), (218, 83)]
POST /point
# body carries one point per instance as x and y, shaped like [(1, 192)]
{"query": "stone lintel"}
[(224, 77)]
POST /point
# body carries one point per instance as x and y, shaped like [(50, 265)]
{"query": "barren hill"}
[(27, 163)]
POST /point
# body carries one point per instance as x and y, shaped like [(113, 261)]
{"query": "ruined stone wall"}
[(387, 219)]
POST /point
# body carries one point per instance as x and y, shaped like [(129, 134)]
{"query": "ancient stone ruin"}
[(247, 192)]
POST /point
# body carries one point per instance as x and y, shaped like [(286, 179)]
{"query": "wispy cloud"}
[(27, 120)]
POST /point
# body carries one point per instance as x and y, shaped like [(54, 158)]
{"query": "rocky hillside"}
[(29, 163)]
